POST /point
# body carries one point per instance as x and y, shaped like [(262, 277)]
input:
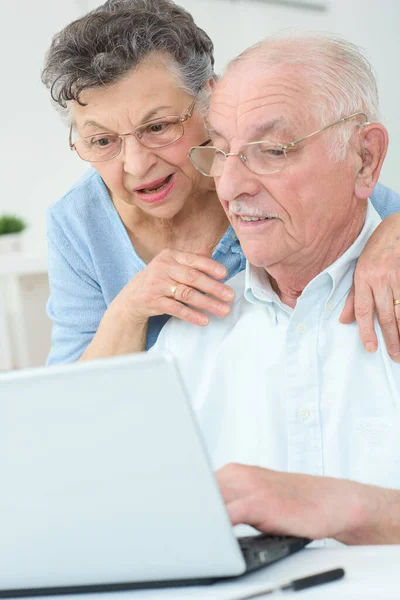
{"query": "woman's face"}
[(158, 181)]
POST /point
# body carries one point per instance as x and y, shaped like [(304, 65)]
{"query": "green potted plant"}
[(11, 228)]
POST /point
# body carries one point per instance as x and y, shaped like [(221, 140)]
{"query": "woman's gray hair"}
[(339, 76), (103, 46)]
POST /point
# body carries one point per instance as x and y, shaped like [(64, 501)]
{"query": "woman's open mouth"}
[(157, 190)]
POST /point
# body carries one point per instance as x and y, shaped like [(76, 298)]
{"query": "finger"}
[(396, 354), (193, 278), (348, 315), (385, 311), (251, 510), (364, 313), (195, 299), (236, 480), (388, 318), (199, 262), (169, 306), (396, 296), (205, 252), (230, 491)]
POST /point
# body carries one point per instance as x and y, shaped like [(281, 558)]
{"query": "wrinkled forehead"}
[(251, 101)]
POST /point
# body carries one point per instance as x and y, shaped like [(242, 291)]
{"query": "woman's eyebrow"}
[(152, 113), (146, 117), (91, 123)]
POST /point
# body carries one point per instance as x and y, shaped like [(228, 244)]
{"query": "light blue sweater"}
[(91, 259)]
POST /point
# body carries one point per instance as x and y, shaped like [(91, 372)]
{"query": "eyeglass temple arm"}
[(189, 111), (342, 120), (71, 145)]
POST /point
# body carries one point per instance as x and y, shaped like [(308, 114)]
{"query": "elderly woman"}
[(130, 244)]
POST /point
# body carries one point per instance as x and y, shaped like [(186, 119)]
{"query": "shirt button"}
[(301, 328), (304, 413), (329, 306)]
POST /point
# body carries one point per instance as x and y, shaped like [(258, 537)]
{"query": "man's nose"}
[(138, 159), (236, 179)]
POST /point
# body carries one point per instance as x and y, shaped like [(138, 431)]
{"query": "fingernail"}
[(221, 272), (224, 310), (229, 294), (370, 347), (204, 320)]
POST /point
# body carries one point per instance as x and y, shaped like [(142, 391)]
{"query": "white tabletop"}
[(372, 573)]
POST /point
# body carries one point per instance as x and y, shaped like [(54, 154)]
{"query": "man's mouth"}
[(255, 218), (155, 186)]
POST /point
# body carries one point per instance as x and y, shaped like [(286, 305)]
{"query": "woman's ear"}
[(210, 85), (373, 148)]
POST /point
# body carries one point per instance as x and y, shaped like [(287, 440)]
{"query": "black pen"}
[(299, 584)]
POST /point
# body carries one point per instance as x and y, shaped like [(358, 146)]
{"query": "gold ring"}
[(173, 291), (396, 302)]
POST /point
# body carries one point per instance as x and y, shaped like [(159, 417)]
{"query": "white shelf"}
[(17, 264)]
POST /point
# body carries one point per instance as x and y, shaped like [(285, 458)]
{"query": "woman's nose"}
[(138, 159)]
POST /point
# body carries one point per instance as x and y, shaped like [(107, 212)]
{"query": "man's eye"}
[(277, 153), (274, 152)]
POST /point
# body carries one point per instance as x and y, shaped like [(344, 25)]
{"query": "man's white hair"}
[(339, 76)]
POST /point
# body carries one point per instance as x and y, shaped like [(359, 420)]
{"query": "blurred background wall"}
[(37, 166)]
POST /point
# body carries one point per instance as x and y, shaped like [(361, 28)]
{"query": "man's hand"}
[(377, 286), (308, 506)]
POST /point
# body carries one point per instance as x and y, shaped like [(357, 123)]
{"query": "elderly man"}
[(296, 151)]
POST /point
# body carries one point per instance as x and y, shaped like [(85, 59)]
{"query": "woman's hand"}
[(180, 284), (377, 287)]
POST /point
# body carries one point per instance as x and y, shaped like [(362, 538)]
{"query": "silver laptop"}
[(105, 484)]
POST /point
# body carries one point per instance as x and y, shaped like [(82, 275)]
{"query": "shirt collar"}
[(336, 279)]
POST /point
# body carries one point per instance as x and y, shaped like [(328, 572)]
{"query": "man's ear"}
[(374, 142)]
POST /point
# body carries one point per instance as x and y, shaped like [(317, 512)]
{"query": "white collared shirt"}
[(293, 389)]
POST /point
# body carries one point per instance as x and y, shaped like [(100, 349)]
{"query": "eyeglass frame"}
[(284, 147), (182, 119)]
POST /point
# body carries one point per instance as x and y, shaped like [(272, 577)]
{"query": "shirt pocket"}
[(377, 451)]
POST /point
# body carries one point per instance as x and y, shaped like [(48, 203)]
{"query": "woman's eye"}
[(102, 142), (157, 128)]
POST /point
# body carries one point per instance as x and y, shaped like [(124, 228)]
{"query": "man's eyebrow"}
[(259, 131), (277, 126), (213, 132), (148, 116)]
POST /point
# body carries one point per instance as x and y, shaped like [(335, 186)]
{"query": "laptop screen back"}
[(104, 478)]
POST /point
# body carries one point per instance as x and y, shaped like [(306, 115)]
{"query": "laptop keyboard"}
[(262, 550)]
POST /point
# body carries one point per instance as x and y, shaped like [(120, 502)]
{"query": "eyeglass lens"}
[(260, 157), (104, 146)]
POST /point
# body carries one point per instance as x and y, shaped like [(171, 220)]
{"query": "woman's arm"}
[(76, 304), (180, 284), (377, 278)]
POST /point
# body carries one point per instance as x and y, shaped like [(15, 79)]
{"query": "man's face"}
[(305, 206)]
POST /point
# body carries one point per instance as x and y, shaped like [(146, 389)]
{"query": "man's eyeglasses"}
[(262, 158), (153, 134)]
